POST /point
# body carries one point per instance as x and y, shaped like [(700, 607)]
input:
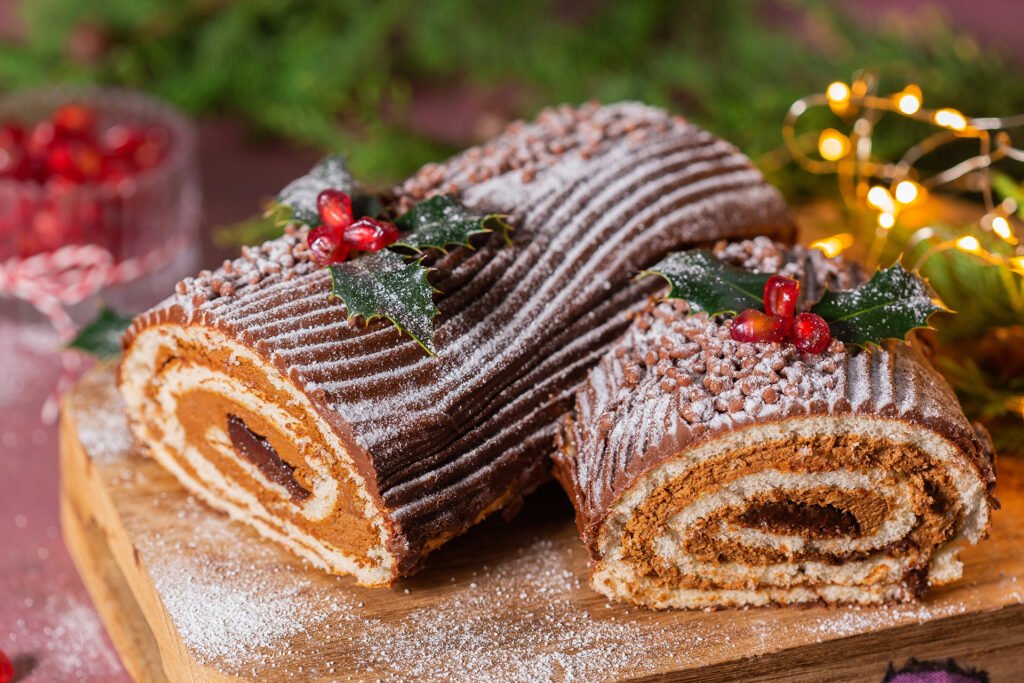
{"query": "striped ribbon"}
[(52, 281)]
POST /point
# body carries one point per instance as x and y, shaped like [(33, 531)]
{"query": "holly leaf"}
[(443, 221), (890, 305), (102, 336), (297, 201), (385, 285), (708, 284)]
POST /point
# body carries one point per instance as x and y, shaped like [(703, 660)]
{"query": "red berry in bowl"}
[(754, 326), (76, 160), (122, 141), (327, 246), (12, 136), (810, 333), (6, 669), (370, 234), (39, 140), (74, 120), (335, 209), (780, 295)]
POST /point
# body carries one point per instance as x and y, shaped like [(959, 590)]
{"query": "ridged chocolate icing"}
[(595, 194), (675, 381)]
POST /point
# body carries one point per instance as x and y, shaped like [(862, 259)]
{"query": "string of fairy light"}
[(886, 188)]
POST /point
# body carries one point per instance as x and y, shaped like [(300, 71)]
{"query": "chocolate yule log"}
[(347, 442), (708, 472)]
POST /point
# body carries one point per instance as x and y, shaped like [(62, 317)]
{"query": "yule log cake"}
[(712, 472), (347, 442)]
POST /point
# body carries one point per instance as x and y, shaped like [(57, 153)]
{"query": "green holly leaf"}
[(709, 285), (443, 221), (385, 285), (890, 305), (297, 201), (102, 336)]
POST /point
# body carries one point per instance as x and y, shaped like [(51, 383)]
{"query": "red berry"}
[(327, 246), (76, 160), (370, 234), (153, 148), (14, 164), (810, 333), (11, 136), (335, 209), (122, 141), (780, 295), (39, 140), (754, 326), (74, 120), (6, 669)]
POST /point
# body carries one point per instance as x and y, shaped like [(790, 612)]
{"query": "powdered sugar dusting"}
[(508, 602)]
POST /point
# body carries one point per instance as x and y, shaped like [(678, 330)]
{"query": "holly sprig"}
[(890, 305), (393, 283)]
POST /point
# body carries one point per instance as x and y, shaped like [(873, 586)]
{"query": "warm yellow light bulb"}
[(968, 243), (950, 118), (907, 192), (1001, 227), (833, 145), (834, 245), (886, 220), (908, 100), (838, 93), (880, 198)]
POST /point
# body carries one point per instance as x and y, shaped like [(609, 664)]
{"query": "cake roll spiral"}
[(349, 444), (707, 472)]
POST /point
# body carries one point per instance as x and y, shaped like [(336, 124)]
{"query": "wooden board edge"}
[(123, 618), (87, 499), (992, 641)]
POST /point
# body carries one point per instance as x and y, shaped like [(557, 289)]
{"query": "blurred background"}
[(267, 86)]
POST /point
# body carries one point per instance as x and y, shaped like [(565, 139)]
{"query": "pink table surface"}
[(48, 626)]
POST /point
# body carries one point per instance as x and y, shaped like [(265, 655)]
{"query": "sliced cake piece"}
[(708, 472), (347, 442)]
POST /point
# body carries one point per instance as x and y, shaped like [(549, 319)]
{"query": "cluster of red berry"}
[(339, 232), (807, 331), (69, 150), (56, 163)]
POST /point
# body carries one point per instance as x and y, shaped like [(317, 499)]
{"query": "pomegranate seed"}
[(370, 234), (39, 140), (780, 295), (810, 333), (11, 136), (335, 209), (122, 141), (327, 246), (6, 669), (74, 120), (14, 164), (76, 160), (754, 326)]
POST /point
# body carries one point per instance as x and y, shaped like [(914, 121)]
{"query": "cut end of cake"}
[(707, 472), (239, 435)]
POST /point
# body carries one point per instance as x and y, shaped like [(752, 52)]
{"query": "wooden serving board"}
[(189, 595)]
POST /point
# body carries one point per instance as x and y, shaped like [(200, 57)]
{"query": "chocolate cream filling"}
[(789, 517), (814, 513), (257, 450)]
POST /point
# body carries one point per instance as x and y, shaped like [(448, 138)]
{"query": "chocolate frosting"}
[(595, 195)]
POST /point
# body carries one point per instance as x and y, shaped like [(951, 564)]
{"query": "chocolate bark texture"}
[(361, 452), (707, 472)]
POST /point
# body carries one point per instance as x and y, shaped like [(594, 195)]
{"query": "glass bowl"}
[(65, 246)]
